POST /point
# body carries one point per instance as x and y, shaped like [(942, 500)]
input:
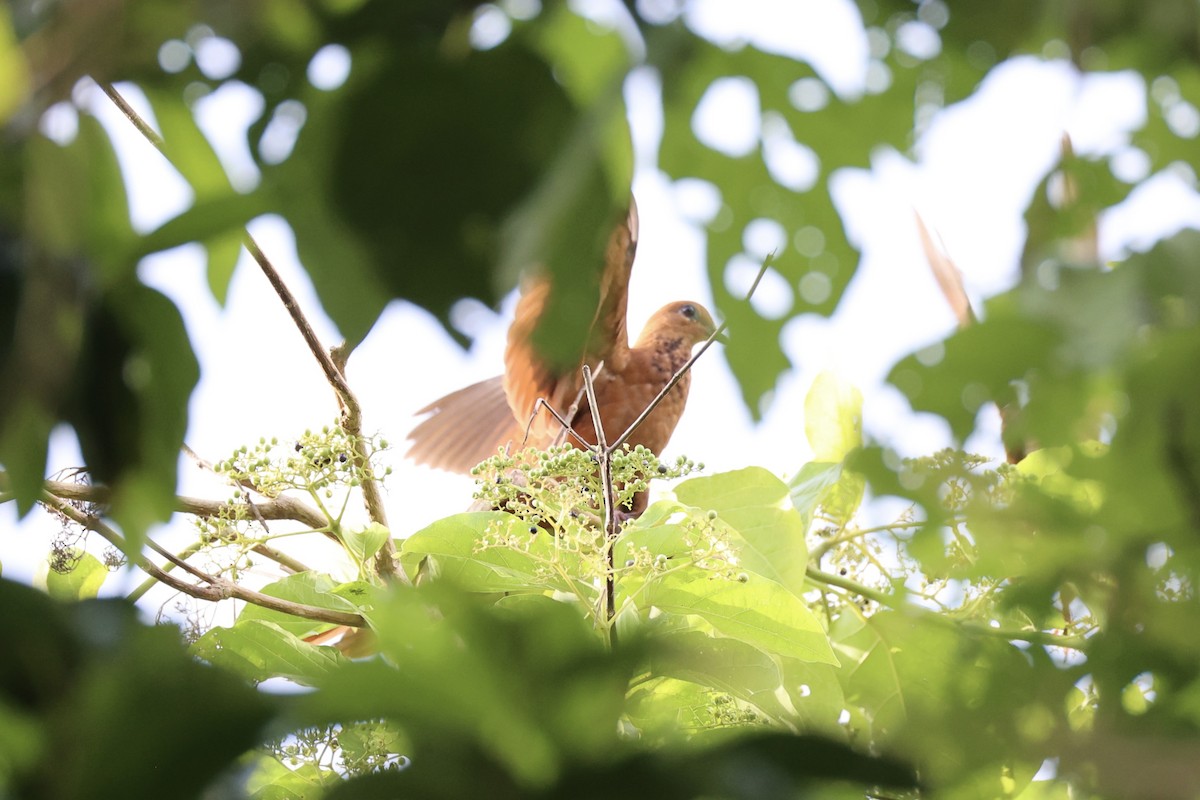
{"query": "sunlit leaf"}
[(758, 612)]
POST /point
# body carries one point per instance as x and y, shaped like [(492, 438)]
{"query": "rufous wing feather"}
[(527, 376), (465, 427)]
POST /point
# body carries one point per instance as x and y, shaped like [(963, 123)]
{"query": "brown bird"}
[(471, 424)]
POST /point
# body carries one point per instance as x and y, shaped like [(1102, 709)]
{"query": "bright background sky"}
[(972, 173)]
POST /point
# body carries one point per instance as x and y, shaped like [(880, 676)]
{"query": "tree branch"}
[(218, 588), (611, 525), (351, 410), (283, 507)]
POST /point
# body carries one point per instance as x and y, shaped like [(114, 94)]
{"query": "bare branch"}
[(282, 507), (351, 410), (611, 523), (218, 588)]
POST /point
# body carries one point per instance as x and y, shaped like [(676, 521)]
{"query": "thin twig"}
[(822, 549), (583, 443), (351, 410), (218, 588), (143, 127), (286, 562), (385, 561), (611, 529)]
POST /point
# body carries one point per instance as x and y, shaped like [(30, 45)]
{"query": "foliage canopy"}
[(767, 637)]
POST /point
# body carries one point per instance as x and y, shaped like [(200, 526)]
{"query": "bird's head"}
[(685, 320)]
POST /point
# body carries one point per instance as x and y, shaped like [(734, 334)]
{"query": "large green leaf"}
[(258, 650), (455, 544), (756, 611), (723, 665), (755, 503)]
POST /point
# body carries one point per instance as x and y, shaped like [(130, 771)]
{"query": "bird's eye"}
[(688, 311)]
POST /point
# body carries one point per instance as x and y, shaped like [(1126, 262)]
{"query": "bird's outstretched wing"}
[(528, 376), (467, 426)]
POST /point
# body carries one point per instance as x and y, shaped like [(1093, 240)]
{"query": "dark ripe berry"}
[(299, 447), (662, 469), (342, 458), (532, 529), (842, 571)]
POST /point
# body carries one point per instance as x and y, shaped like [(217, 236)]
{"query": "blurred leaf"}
[(187, 148), (842, 134), (111, 696), (513, 691), (224, 250), (129, 403), (832, 417), (258, 650), (14, 72), (81, 582), (413, 218), (214, 219)]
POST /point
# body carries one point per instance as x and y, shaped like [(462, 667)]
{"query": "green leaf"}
[(723, 665), (454, 544), (258, 650), (816, 694), (755, 504), (810, 485), (832, 417), (759, 612), (186, 147), (364, 543), (83, 581), (271, 780), (309, 588)]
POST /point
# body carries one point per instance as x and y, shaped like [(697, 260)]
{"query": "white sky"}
[(976, 167)]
